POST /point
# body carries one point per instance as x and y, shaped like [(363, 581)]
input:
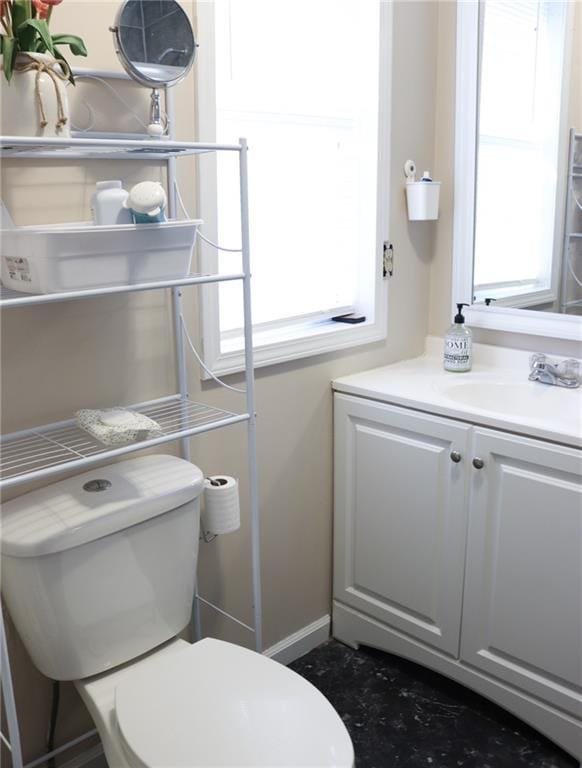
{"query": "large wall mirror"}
[(518, 165)]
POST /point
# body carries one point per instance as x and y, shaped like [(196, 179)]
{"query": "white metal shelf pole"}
[(250, 388), (9, 701), (177, 291), (567, 223), (177, 316)]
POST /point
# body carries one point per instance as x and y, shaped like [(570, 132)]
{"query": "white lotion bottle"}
[(107, 204), (458, 352)]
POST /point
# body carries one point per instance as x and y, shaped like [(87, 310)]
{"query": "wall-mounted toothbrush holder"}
[(422, 196)]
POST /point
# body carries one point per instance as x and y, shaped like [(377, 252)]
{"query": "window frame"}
[(299, 337)]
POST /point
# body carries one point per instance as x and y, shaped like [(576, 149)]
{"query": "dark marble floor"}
[(401, 715)]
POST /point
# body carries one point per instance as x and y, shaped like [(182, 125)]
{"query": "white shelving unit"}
[(45, 451), (572, 230)]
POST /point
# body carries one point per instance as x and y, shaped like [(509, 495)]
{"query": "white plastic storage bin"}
[(69, 257), (423, 200)]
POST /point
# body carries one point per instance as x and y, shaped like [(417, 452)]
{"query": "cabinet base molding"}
[(354, 628)]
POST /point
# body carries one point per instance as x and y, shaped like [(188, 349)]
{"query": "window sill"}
[(300, 340)]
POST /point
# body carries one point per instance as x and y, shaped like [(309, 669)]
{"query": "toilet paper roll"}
[(221, 513)]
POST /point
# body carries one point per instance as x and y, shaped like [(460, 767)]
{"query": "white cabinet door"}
[(522, 610), (400, 520)]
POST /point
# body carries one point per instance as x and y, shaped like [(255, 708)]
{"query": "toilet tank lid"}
[(103, 501)]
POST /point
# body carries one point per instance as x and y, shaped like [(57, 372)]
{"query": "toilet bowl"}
[(98, 573), (213, 704)]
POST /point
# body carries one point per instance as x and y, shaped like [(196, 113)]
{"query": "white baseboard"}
[(301, 642)]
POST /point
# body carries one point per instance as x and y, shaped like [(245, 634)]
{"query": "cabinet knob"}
[(455, 456), (478, 463)]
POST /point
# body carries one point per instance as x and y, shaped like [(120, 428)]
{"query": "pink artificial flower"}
[(4, 9), (43, 7)]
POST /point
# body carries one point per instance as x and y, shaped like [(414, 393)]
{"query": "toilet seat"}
[(217, 704)]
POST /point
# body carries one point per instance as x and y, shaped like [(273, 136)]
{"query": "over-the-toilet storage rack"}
[(48, 450), (572, 233)]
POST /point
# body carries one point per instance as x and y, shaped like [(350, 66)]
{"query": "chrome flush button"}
[(93, 486)]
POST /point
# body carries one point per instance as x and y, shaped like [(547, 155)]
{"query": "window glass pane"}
[(300, 81), (519, 122)]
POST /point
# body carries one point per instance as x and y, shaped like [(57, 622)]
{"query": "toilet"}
[(98, 574)]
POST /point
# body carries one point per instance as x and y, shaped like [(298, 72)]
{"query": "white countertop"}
[(495, 393)]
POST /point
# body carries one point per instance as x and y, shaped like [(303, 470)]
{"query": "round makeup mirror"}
[(154, 41), (156, 46)]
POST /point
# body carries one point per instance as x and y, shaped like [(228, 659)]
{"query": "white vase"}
[(21, 113)]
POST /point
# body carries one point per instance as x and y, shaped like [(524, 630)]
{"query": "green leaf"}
[(27, 39), (9, 54), (21, 12), (41, 27), (75, 43), (60, 57)]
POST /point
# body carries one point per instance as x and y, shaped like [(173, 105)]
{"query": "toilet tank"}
[(100, 568)]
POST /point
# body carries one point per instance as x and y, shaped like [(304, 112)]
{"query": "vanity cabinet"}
[(460, 547), (400, 518), (522, 606)]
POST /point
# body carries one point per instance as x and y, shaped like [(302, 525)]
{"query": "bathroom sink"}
[(496, 393), (516, 398)]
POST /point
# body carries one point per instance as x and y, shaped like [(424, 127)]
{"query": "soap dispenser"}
[(458, 353)]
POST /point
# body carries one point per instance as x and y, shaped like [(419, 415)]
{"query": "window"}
[(518, 144), (307, 84)]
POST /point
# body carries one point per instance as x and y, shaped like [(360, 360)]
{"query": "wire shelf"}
[(8, 295), (37, 453), (99, 149), (11, 298)]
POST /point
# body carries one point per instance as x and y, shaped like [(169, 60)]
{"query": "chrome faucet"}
[(564, 374)]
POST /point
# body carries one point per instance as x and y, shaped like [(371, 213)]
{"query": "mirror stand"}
[(156, 127), (156, 46)]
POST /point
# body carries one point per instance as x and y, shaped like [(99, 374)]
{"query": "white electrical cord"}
[(200, 235), (201, 361), (184, 329), (219, 247), (118, 97)]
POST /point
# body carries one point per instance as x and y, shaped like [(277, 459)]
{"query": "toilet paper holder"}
[(221, 512), (217, 480)]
